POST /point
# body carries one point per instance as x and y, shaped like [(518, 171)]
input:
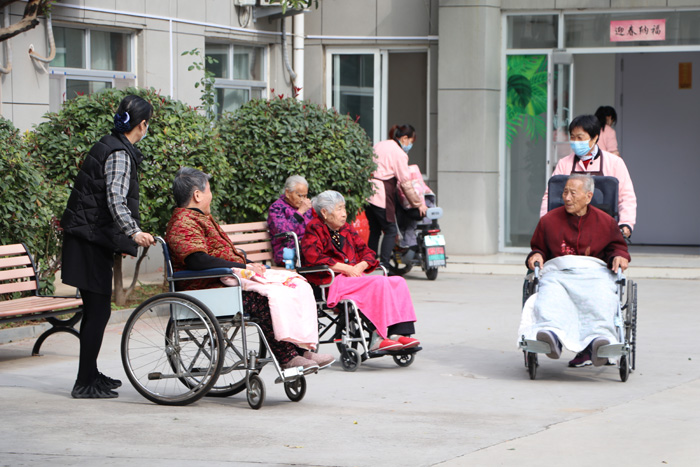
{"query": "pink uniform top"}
[(392, 161), (608, 139), (613, 166)]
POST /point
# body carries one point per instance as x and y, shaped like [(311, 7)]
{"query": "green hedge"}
[(268, 140)]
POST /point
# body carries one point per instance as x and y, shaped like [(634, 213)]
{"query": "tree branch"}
[(28, 21)]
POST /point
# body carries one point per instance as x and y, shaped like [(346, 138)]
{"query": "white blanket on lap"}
[(576, 300)]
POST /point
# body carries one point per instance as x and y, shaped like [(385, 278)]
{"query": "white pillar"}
[(298, 55)]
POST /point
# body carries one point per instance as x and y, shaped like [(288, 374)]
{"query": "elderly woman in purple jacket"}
[(290, 213)]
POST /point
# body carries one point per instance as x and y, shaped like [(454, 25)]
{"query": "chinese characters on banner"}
[(638, 30)]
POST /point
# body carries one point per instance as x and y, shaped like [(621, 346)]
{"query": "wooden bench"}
[(18, 274), (253, 238)]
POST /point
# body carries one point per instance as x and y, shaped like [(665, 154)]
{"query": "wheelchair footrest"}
[(290, 374), (381, 353), (534, 346), (612, 350)]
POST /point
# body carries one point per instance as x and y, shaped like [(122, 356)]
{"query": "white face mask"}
[(144, 135)]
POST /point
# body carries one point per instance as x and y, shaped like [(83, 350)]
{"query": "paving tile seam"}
[(158, 458)]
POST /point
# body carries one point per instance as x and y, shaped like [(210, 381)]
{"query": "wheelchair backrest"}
[(604, 197)]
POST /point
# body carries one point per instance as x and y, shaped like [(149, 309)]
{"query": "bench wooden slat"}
[(18, 273), (253, 247), (14, 249), (17, 287), (12, 261), (33, 305), (259, 256), (239, 238), (245, 227)]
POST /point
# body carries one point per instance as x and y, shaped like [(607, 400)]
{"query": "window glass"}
[(533, 31), (110, 51), (593, 30), (231, 99), (353, 88), (70, 48), (247, 63), (79, 87), (218, 52)]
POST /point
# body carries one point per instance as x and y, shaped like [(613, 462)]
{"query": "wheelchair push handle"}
[(537, 269)]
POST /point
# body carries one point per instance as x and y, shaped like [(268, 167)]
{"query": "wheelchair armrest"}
[(311, 269), (214, 273)]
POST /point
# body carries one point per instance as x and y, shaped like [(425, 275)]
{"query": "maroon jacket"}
[(317, 248), (559, 233)]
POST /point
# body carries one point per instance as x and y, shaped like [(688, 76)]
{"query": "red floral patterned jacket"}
[(317, 248), (190, 231)]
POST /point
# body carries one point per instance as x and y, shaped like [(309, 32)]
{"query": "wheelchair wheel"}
[(396, 266), (350, 359), (404, 360), (232, 378), (624, 368), (431, 273), (171, 349), (295, 390), (256, 392), (532, 364)]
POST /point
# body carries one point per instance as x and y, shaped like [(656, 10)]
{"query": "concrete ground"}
[(466, 401)]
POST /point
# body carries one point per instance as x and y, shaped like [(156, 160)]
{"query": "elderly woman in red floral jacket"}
[(197, 242), (384, 301)]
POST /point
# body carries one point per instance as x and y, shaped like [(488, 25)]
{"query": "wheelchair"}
[(625, 319), (343, 325), (180, 346)]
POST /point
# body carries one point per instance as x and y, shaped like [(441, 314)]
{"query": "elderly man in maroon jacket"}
[(578, 229)]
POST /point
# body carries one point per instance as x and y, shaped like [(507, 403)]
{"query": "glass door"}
[(526, 148), (562, 108), (357, 88)]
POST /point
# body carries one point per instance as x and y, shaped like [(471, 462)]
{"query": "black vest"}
[(87, 214)]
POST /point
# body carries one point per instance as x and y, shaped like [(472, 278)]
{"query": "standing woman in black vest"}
[(101, 220)]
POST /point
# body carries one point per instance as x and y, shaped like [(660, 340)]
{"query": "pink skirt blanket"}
[(383, 300), (291, 300)]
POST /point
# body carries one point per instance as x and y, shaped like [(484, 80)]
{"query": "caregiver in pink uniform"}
[(392, 174), (584, 132)]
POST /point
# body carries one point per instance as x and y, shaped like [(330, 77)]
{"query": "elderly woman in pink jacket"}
[(392, 174), (584, 132)]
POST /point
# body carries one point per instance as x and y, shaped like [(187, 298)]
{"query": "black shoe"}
[(92, 391), (107, 382)]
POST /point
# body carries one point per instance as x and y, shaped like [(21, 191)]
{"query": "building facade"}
[(489, 85)]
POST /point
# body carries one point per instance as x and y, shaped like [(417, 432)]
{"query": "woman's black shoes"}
[(101, 388), (107, 382), (92, 391)]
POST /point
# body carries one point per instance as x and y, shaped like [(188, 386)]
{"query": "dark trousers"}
[(97, 309), (376, 217)]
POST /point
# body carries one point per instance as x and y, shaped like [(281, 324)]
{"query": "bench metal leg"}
[(58, 325)]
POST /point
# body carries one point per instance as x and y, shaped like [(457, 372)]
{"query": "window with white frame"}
[(240, 74), (88, 61)]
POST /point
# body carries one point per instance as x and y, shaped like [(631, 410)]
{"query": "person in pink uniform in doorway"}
[(588, 158), (607, 117)]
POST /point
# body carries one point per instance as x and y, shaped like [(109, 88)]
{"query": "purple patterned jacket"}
[(282, 217)]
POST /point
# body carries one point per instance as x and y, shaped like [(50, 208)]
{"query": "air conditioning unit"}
[(244, 2), (277, 3)]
